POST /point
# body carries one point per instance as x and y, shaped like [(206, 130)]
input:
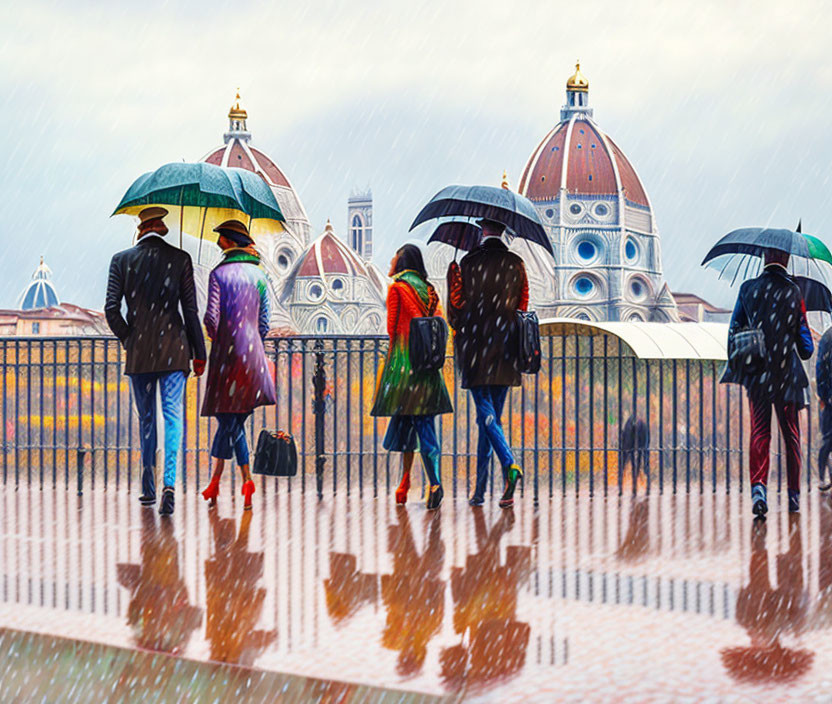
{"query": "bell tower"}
[(237, 128), (360, 223)]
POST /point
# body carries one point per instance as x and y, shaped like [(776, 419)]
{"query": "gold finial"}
[(504, 184), (236, 112), (41, 260), (328, 227), (577, 81)]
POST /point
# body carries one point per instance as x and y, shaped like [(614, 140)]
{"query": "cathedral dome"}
[(238, 152), (580, 159), (40, 293)]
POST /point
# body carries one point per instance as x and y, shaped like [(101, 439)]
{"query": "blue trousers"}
[(489, 401), (402, 434), (230, 438), (172, 389)]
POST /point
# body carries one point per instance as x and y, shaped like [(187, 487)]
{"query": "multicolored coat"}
[(237, 321), (401, 391)]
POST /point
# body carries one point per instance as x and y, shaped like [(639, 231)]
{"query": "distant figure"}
[(485, 292), (823, 376), (237, 321), (633, 443), (772, 302), (411, 399), (156, 280)]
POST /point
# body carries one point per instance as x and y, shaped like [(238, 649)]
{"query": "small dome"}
[(40, 293), (577, 81)]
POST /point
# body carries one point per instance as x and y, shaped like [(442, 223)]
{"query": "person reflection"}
[(413, 594), (159, 612), (485, 604), (768, 613), (232, 599), (636, 542), (346, 589)]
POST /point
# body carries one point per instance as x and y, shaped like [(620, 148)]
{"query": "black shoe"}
[(794, 501), (476, 500), (435, 497), (759, 506), (166, 507), (148, 497), (515, 474)]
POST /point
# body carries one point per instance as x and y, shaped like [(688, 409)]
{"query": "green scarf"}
[(417, 283)]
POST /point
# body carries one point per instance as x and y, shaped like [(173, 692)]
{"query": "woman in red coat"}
[(411, 399)]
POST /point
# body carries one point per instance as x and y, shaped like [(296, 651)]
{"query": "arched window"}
[(321, 325), (356, 234)]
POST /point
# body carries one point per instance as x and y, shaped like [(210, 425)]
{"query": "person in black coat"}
[(772, 302), (823, 376), (485, 292), (156, 280)]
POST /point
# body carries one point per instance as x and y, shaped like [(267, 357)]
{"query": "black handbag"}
[(528, 342), (747, 351), (276, 455), (428, 341)]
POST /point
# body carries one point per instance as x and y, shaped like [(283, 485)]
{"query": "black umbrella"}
[(816, 295), (500, 204), (458, 234)]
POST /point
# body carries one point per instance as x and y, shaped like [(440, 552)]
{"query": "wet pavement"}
[(666, 597)]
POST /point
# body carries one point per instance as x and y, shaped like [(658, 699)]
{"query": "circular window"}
[(584, 286), (631, 250), (550, 213), (316, 292), (337, 284), (602, 210), (638, 289), (587, 251), (576, 209), (283, 262)]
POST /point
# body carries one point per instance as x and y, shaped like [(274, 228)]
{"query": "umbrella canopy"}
[(513, 210), (816, 295), (817, 249), (457, 233), (755, 240), (203, 196)]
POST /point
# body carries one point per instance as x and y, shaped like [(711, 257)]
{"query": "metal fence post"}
[(319, 409)]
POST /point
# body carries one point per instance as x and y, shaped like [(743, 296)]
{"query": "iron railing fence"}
[(67, 413)]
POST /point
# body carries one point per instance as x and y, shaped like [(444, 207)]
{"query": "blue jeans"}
[(172, 389), (489, 401), (230, 438), (401, 437)]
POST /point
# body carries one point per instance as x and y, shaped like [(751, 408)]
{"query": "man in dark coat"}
[(772, 302), (485, 292), (823, 376), (156, 280)]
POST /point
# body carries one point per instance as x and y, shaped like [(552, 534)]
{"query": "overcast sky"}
[(722, 107)]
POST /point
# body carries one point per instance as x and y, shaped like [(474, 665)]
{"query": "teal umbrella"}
[(205, 195)]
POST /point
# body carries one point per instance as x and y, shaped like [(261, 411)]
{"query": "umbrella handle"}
[(201, 231), (181, 214)]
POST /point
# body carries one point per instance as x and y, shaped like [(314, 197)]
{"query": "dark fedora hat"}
[(236, 231)]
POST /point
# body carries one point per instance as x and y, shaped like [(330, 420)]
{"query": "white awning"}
[(652, 340)]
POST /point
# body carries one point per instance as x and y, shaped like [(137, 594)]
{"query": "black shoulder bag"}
[(428, 341), (276, 455), (747, 349)]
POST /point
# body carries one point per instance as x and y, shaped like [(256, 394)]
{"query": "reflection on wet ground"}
[(619, 598)]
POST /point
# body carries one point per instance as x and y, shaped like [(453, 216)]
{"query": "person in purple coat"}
[(237, 321)]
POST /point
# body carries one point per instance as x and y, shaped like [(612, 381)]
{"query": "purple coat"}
[(237, 321)]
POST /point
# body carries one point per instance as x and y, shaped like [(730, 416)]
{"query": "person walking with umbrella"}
[(770, 368), (411, 398), (486, 290), (823, 376), (156, 280), (237, 321)]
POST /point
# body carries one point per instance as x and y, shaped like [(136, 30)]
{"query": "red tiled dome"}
[(591, 163)]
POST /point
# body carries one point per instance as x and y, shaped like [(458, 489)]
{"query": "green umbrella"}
[(205, 195)]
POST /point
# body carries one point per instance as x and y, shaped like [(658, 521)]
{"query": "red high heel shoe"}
[(404, 487), (210, 492), (248, 490)]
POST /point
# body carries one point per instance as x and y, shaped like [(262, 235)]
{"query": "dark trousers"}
[(760, 440), (230, 438), (826, 445)]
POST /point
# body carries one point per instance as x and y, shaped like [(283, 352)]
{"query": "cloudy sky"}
[(723, 108)]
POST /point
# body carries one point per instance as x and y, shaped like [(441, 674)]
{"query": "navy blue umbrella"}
[(816, 295), (513, 210), (755, 240)]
